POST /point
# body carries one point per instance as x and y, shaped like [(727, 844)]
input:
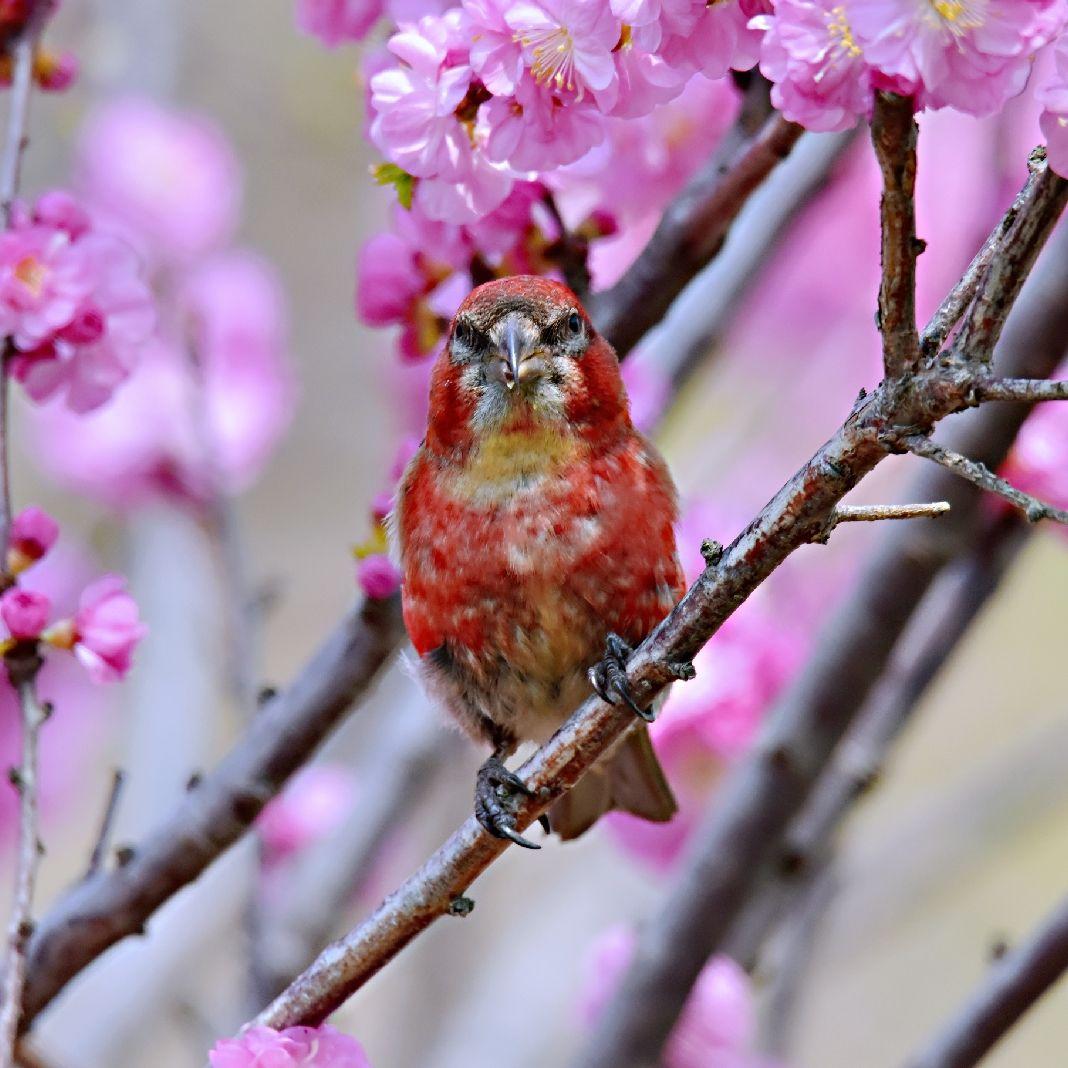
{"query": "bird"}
[(535, 532)]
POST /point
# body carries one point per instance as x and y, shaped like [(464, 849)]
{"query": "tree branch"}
[(1012, 986), (20, 926), (893, 133), (945, 616), (690, 234), (796, 515), (100, 911), (1027, 390), (766, 790), (980, 475), (103, 838)]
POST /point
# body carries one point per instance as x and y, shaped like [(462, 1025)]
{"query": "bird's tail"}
[(630, 780)]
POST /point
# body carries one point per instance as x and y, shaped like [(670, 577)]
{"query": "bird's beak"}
[(513, 348)]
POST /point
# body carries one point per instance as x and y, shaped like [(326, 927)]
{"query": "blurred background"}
[(960, 848)]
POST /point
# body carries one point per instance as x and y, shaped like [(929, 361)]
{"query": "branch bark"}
[(20, 925), (1011, 988), (771, 785), (893, 133), (101, 910), (757, 802), (690, 234)]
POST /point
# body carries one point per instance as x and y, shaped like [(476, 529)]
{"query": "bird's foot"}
[(497, 795), (609, 677)]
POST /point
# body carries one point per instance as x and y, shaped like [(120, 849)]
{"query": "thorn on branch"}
[(1025, 390), (980, 475), (100, 849), (875, 513)]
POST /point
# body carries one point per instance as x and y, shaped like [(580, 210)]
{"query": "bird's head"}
[(522, 354)]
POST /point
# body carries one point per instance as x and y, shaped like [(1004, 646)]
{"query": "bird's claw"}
[(497, 794), (609, 677)]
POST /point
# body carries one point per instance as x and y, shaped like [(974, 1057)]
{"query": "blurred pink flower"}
[(24, 612), (33, 533), (105, 630), (55, 71), (1038, 463), (314, 804), (295, 1047), (215, 422), (821, 79), (167, 179), (1053, 96), (377, 575), (717, 1024), (388, 280), (335, 22), (971, 56)]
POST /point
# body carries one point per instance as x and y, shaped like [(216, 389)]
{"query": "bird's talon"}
[(609, 677), (497, 791), (543, 819)]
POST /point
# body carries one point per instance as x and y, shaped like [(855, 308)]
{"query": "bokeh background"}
[(960, 847)]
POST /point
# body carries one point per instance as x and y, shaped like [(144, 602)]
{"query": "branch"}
[(893, 133), (299, 921), (938, 626), (796, 515), (20, 926), (1012, 986), (98, 912), (874, 513), (1005, 274), (980, 475), (690, 234), (1027, 390), (103, 838), (767, 789)]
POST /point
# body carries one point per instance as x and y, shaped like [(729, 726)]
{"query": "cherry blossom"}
[(295, 1047), (335, 22)]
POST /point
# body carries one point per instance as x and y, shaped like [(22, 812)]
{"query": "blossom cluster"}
[(295, 1047), (214, 371), (52, 71), (104, 631)]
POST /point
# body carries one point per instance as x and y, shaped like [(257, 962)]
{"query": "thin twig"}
[(980, 475), (690, 234), (875, 513), (98, 912), (754, 806), (893, 133), (1026, 390), (103, 839), (1012, 986), (20, 926)]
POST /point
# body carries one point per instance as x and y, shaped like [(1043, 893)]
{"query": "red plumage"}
[(533, 521)]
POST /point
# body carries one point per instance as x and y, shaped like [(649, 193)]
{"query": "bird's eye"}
[(464, 332), (574, 323)]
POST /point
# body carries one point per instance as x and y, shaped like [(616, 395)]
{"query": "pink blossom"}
[(710, 38), (820, 76), (33, 533), (388, 280), (169, 180), (568, 46), (1053, 96), (317, 801), (337, 21), (105, 630), (295, 1047), (73, 302), (24, 612), (55, 71), (717, 1025), (377, 575), (415, 123), (60, 210), (969, 54)]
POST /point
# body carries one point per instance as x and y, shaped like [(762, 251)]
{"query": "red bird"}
[(535, 533)]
